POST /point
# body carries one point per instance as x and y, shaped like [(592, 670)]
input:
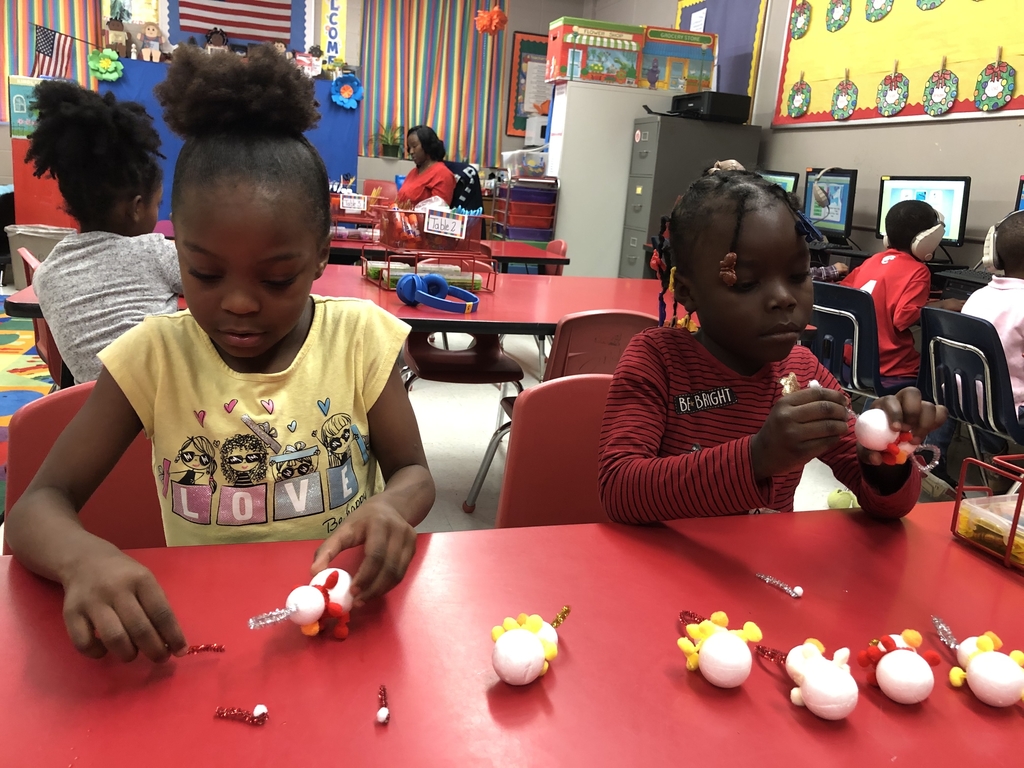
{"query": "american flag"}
[(263, 20), (53, 53)]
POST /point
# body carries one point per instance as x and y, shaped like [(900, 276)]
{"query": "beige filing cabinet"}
[(669, 153)]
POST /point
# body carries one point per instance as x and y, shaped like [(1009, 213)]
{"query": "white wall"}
[(652, 13)]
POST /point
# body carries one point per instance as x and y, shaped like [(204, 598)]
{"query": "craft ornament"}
[(995, 85), (313, 606), (800, 20), (523, 648), (996, 678), (838, 15), (940, 91), (721, 654), (874, 433), (892, 93), (383, 712), (898, 669), (876, 10), (824, 686), (799, 100), (844, 99)]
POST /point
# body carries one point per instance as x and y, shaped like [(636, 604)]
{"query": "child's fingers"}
[(912, 406), (820, 410), (112, 633), (140, 630), (83, 636), (375, 552), (893, 411), (815, 394), (399, 552), (158, 610), (344, 537)]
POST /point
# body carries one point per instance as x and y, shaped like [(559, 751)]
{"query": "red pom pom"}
[(872, 680), (888, 643), (905, 437), (863, 658), (335, 610), (888, 459), (332, 580), (340, 630), (932, 658), (892, 449), (874, 654)]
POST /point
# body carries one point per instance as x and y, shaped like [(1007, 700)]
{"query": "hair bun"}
[(223, 93)]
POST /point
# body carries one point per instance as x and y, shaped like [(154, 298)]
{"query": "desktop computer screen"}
[(788, 181), (828, 200), (948, 194), (1019, 205)]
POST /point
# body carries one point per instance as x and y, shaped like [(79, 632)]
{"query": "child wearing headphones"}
[(899, 283)]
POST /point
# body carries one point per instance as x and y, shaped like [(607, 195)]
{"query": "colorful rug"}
[(23, 378)]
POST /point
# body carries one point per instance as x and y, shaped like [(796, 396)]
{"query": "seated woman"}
[(430, 177), (99, 283)]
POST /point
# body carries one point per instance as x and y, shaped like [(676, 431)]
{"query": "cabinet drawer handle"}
[(644, 152), (631, 259), (638, 208)]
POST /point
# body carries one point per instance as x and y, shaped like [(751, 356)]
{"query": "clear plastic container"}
[(526, 163), (986, 521)]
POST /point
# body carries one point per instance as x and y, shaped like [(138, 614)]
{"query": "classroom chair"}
[(164, 227), (388, 190), (551, 469), (845, 317), (46, 347), (124, 509), (559, 248), (585, 343), (963, 367)]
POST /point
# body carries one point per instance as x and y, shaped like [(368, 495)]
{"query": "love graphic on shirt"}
[(694, 402)]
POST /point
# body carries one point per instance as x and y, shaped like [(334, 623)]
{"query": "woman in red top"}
[(430, 177)]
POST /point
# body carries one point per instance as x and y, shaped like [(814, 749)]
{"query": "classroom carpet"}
[(23, 378)]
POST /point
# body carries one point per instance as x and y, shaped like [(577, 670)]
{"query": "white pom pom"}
[(873, 430), (339, 593), (724, 660), (383, 715), (518, 657), (965, 650), (798, 591), (258, 710), (306, 604), (996, 679), (549, 633), (904, 677)]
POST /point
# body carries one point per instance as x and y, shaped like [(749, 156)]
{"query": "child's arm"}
[(111, 602), (384, 523)]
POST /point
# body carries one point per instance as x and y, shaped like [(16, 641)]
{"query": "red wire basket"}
[(474, 272), (988, 522)]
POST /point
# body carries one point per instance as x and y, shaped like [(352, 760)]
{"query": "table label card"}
[(446, 224), (351, 202)]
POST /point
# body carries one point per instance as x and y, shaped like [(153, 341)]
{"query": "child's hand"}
[(800, 427), (906, 412), (389, 543), (113, 603)]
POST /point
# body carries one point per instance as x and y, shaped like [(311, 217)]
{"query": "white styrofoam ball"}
[(905, 677), (724, 660), (900, 642), (798, 658), (873, 430), (383, 715), (828, 691), (518, 657), (306, 604), (996, 679), (965, 650), (339, 593), (549, 633), (258, 710)]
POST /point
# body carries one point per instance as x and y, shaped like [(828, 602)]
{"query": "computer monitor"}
[(828, 200), (1019, 204), (788, 181), (948, 194)]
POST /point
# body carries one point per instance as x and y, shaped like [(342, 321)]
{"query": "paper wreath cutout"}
[(927, 5), (876, 10), (838, 15), (800, 20), (995, 86), (940, 92), (892, 94), (799, 100), (844, 100)]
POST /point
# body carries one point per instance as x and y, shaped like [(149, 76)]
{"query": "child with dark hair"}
[(99, 283), (698, 424), (431, 177), (899, 284), (256, 361)]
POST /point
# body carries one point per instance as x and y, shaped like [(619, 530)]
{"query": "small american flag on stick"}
[(53, 53)]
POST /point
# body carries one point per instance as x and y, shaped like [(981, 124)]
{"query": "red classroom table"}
[(617, 695), (505, 252)]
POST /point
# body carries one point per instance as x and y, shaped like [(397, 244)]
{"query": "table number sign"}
[(350, 202), (446, 224)]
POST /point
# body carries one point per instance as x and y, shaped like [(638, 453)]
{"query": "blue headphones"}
[(432, 291)]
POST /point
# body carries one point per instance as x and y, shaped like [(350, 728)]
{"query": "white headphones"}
[(990, 254), (925, 244)]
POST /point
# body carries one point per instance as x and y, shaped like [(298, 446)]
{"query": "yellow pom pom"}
[(544, 669), (957, 677), (496, 633), (1018, 657), (550, 650), (686, 646), (719, 618), (521, 619), (509, 624), (911, 637), (996, 642), (816, 643), (985, 644), (693, 662), (533, 623), (752, 632), (693, 630), (707, 629), (311, 630)]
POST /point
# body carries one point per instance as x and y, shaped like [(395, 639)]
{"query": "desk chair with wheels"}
[(585, 343), (46, 346), (963, 367), (35, 428), (845, 316), (551, 470)]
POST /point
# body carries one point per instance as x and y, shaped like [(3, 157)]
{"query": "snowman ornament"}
[(996, 678), (898, 669)]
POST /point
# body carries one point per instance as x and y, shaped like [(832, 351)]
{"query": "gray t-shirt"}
[(95, 286)]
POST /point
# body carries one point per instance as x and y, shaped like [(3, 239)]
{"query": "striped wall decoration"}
[(425, 63), (78, 18)]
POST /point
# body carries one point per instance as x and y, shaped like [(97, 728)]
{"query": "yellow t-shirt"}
[(259, 456)]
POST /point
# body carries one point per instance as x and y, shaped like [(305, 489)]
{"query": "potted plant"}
[(390, 138)]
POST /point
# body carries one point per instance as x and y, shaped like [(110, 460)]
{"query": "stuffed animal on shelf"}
[(721, 654), (995, 678), (523, 648), (895, 665), (314, 606), (825, 686), (149, 42)]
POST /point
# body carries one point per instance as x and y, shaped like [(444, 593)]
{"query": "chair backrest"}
[(559, 248), (124, 509), (164, 227), (46, 347), (31, 264), (551, 465), (388, 189), (844, 317), (593, 341), (963, 367), (468, 193)]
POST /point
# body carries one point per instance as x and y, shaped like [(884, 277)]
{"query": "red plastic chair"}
[(585, 342), (388, 190), (124, 509), (164, 227), (46, 347), (551, 470), (558, 248)]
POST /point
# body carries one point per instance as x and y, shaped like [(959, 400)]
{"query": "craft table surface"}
[(505, 252), (618, 694)]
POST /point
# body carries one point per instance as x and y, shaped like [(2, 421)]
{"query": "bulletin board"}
[(526, 85), (739, 25), (900, 60)]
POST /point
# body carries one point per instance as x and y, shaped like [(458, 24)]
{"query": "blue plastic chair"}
[(963, 367), (846, 316)]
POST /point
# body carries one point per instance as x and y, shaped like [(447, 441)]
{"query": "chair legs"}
[(977, 452), (492, 448)]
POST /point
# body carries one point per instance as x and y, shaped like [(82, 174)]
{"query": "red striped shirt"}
[(677, 429)]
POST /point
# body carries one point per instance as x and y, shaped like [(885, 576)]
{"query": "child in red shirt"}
[(697, 425), (899, 282)]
